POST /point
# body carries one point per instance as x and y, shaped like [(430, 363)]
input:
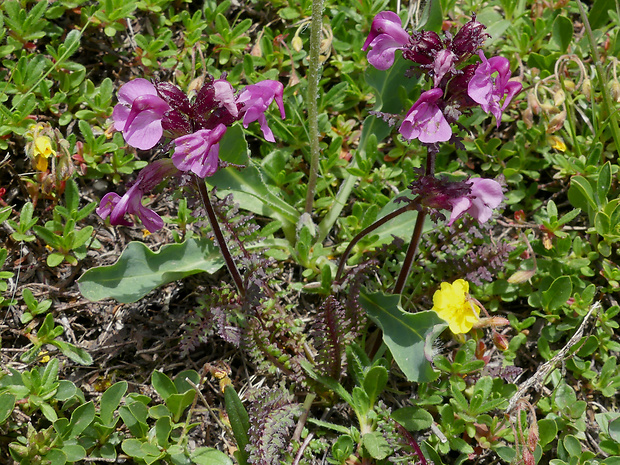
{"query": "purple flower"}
[(198, 152), (386, 36), (485, 195), (443, 63), (254, 101), (489, 89), (139, 114), (225, 96), (425, 121), (115, 206)]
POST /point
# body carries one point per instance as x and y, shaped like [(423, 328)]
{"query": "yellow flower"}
[(556, 143), (452, 304), (42, 151)]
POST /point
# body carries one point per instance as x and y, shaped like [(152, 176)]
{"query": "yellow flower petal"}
[(452, 304), (557, 143), (43, 147)]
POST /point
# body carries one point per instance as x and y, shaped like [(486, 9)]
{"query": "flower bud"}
[(559, 97), (532, 102), (521, 276), (468, 39), (569, 85), (422, 47), (527, 117), (615, 90), (548, 108), (297, 43), (500, 341), (195, 84), (556, 122), (586, 88)]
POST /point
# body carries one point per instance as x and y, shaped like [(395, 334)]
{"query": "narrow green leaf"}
[(562, 32), (76, 354), (239, 421), (604, 183), (599, 13)]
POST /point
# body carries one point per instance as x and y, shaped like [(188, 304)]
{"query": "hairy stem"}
[(221, 242), (365, 232), (313, 109)]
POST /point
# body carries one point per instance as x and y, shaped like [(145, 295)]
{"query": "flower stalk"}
[(417, 231), (217, 231), (365, 232)]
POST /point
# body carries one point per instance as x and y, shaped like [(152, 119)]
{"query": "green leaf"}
[(562, 32), (413, 418), (76, 354), (580, 193), (599, 13), (547, 430), (614, 429), (210, 456), (376, 445), (432, 16), (139, 270), (134, 416), (557, 294), (375, 382), (110, 400), (604, 183), (133, 448), (361, 402), (81, 418), (177, 403), (163, 385), (74, 452), (239, 421), (163, 428), (7, 403), (408, 335)]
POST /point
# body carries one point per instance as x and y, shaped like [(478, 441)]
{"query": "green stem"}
[(313, 108), (219, 237), (365, 232), (607, 104)]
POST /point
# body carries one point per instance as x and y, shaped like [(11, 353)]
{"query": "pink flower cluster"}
[(477, 197), (487, 83), (149, 112)]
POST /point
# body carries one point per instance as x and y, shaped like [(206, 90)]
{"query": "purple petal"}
[(134, 89), (145, 130), (459, 206)]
